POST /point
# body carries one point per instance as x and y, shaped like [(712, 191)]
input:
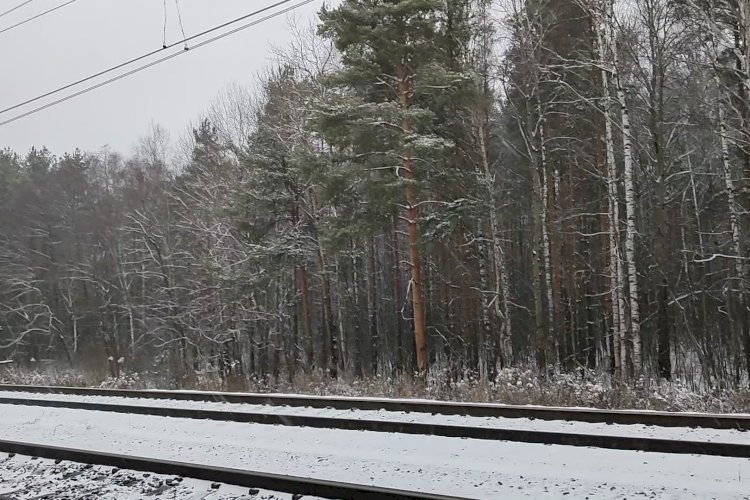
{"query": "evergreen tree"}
[(394, 58)]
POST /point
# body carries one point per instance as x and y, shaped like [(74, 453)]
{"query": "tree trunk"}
[(306, 318), (420, 337), (557, 242), (372, 306), (708, 347), (742, 46), (744, 67), (536, 266), (402, 358), (329, 323), (293, 340), (485, 331), (734, 221), (544, 227), (356, 340), (664, 322), (304, 290), (613, 213), (630, 215), (342, 351), (501, 300)]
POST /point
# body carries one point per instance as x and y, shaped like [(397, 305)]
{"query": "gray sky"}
[(90, 35)]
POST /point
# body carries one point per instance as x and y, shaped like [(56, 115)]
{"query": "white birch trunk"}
[(630, 233), (630, 216), (502, 288), (734, 209), (501, 302), (744, 22), (75, 335), (613, 213), (128, 302)]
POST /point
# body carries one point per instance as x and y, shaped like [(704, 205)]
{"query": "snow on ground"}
[(681, 433), (452, 466), (26, 478)]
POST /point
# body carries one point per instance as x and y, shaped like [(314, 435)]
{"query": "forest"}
[(415, 188)]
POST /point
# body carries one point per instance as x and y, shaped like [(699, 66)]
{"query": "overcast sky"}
[(91, 35)]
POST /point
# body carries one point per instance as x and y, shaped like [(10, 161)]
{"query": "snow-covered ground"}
[(681, 433), (452, 466), (26, 478)]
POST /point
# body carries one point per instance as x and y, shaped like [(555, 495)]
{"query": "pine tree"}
[(394, 56)]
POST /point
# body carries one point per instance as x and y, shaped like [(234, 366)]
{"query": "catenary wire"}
[(144, 56), (15, 8), (48, 11), (156, 62)]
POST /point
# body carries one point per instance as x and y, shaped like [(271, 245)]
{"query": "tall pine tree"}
[(395, 66)]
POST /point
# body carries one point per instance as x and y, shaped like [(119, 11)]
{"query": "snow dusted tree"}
[(394, 72)]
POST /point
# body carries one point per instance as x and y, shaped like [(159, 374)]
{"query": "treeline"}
[(445, 186)]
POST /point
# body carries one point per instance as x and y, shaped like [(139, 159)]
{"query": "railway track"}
[(331, 489), (589, 415), (618, 442), (273, 482)]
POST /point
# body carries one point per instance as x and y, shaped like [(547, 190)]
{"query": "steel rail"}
[(251, 479), (631, 443), (590, 415)]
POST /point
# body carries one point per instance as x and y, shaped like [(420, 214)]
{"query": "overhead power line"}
[(154, 63), (15, 8), (149, 54), (48, 11)]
